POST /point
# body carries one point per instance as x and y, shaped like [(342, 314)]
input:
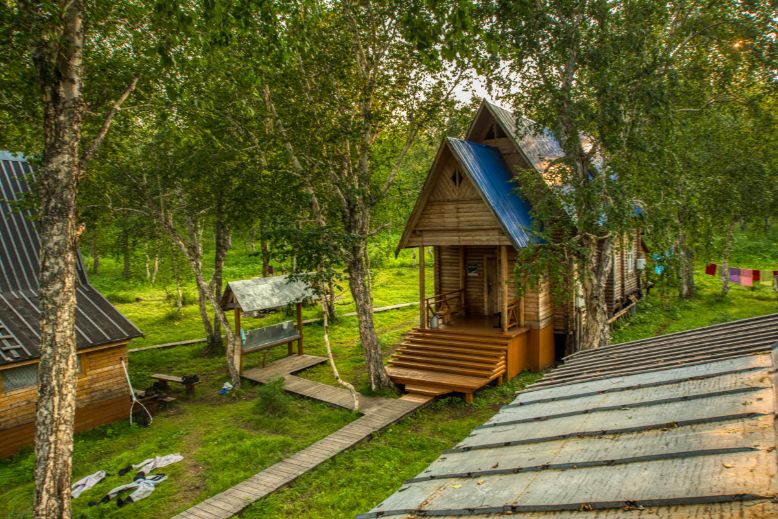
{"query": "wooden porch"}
[(457, 349), (461, 356)]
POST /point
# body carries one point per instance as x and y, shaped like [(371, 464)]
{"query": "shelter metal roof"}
[(493, 179), (681, 425), (266, 293), (97, 321)]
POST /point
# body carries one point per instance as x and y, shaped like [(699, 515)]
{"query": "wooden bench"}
[(188, 381)]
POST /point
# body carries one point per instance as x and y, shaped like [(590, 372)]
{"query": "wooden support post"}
[(521, 312), (300, 349), (504, 287), (239, 353), (462, 278), (422, 305)]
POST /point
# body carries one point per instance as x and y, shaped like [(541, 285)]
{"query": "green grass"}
[(664, 312), (223, 440), (152, 308)]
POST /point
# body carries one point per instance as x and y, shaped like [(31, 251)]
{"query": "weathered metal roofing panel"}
[(688, 441), (97, 321), (267, 293), (646, 380), (491, 176), (713, 409), (703, 439), (688, 389), (726, 477), (541, 148)]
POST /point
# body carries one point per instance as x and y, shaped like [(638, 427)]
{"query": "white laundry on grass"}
[(157, 462), (86, 483)]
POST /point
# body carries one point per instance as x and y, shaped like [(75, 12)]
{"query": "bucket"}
[(434, 321)]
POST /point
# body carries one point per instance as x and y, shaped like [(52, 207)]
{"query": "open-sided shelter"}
[(102, 333), (261, 294), (474, 329)]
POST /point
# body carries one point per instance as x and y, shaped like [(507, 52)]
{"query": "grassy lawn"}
[(227, 439), (664, 312)]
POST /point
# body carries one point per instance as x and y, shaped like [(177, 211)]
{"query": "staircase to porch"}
[(434, 362)]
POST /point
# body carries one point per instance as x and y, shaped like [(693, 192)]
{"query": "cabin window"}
[(630, 262), (20, 378), (457, 178)]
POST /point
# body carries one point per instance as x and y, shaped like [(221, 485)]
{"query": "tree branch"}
[(117, 106)]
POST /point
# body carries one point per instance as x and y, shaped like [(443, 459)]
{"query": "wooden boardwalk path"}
[(378, 414)]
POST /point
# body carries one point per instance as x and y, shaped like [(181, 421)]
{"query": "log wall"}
[(102, 397)]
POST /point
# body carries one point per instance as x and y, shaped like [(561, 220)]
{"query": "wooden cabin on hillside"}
[(474, 329), (102, 332)]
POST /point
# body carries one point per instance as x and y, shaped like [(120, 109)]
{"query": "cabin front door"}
[(491, 286)]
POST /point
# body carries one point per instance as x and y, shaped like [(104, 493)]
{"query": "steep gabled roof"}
[(681, 425), (485, 168), (97, 321), (538, 148), (491, 176)]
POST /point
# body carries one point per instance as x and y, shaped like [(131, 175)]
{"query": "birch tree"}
[(593, 72), (49, 44)]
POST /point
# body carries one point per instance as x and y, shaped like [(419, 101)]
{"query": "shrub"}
[(272, 400)]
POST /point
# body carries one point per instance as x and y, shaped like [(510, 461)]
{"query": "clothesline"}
[(741, 276)]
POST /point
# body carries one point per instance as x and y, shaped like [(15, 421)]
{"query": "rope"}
[(134, 398)]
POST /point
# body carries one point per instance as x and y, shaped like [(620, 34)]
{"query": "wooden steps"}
[(435, 362)]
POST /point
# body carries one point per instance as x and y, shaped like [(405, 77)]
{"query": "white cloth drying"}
[(157, 462), (143, 488), (86, 483)]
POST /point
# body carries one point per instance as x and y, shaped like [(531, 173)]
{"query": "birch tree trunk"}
[(685, 267), (192, 251), (357, 265), (222, 245), (730, 237), (58, 62), (595, 331)]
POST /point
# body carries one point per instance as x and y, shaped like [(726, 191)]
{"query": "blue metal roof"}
[(492, 177)]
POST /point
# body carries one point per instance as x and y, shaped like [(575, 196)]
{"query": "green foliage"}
[(272, 400)]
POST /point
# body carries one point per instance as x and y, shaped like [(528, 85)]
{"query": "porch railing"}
[(446, 304), (514, 311)]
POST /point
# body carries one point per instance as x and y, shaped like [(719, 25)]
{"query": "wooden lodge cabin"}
[(102, 332), (474, 330)]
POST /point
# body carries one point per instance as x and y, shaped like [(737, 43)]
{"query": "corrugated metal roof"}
[(493, 179), (97, 321), (266, 293), (694, 438)]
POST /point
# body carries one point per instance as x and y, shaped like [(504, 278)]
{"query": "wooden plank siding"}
[(622, 283), (454, 212), (102, 397), (538, 305)]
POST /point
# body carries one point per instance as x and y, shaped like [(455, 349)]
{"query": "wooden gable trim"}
[(421, 201), (488, 109), (483, 199), (428, 188)]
